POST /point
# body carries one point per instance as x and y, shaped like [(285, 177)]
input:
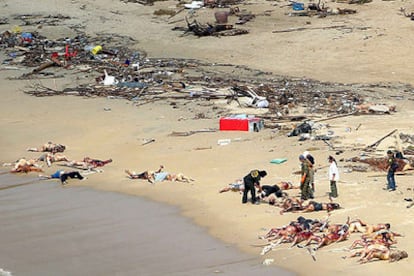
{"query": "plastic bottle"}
[(96, 49)]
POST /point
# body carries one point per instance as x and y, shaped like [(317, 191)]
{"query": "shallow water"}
[(47, 229)]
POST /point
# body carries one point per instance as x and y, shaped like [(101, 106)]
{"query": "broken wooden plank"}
[(374, 145), (191, 132), (335, 117), (203, 148), (310, 28)]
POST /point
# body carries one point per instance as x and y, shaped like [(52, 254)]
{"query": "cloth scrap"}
[(278, 160)]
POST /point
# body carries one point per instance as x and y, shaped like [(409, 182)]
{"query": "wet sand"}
[(48, 229)]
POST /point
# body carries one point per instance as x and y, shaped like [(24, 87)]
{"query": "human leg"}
[(373, 253), (311, 190), (391, 180), (129, 173), (182, 178), (63, 178), (253, 193), (308, 208), (356, 227), (358, 243), (60, 157), (43, 177), (305, 190), (334, 191), (76, 175), (245, 192), (225, 189)]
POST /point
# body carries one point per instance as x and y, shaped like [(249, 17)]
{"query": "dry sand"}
[(375, 49)]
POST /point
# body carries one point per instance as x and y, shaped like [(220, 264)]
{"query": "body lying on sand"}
[(238, 186), (321, 233), (24, 165), (30, 165), (49, 147), (380, 252), (158, 176), (375, 241), (50, 158), (63, 176), (305, 230), (88, 163)]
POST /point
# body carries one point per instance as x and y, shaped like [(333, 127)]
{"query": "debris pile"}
[(120, 71), (208, 29), (317, 9)]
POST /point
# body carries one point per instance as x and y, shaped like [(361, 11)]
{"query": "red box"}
[(241, 124)]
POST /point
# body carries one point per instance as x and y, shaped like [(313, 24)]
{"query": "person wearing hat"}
[(306, 178), (391, 168), (251, 181)]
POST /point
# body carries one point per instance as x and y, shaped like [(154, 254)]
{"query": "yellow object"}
[(17, 29), (96, 49), (254, 173)]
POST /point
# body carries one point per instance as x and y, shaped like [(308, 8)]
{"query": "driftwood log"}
[(375, 144)]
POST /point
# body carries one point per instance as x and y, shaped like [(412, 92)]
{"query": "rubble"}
[(207, 29), (120, 71)]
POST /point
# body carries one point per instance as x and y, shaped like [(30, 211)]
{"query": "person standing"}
[(251, 181), (305, 178), (391, 168), (312, 171), (333, 176)]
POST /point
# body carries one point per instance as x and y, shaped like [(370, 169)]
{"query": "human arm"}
[(160, 169)]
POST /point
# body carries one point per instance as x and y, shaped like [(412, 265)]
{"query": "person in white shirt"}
[(333, 176)]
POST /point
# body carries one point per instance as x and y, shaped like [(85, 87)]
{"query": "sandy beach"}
[(369, 50)]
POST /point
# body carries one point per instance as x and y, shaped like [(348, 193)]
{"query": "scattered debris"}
[(147, 141), (124, 72), (304, 127), (208, 29), (188, 133), (268, 261), (374, 145)]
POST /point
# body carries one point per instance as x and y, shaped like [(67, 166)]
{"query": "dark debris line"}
[(173, 78)]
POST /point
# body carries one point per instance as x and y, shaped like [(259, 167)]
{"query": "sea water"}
[(50, 229)]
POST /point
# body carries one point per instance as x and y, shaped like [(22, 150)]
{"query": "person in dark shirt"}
[(391, 168), (251, 181), (267, 190), (73, 174)]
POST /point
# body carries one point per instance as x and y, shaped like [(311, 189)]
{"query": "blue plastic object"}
[(298, 6)]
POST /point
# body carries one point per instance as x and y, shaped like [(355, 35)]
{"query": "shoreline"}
[(114, 128), (50, 229), (212, 210)]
